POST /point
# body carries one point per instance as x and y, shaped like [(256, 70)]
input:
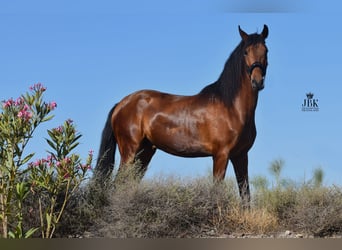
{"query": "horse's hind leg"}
[(128, 150), (144, 156), (134, 160)]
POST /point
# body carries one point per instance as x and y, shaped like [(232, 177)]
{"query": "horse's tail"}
[(105, 160)]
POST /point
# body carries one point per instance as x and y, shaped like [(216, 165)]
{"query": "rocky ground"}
[(212, 234)]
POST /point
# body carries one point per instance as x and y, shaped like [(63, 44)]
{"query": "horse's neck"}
[(246, 101)]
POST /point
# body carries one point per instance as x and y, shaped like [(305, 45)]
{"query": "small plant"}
[(317, 178), (18, 120), (60, 172)]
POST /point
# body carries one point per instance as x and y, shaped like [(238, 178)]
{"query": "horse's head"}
[(255, 56)]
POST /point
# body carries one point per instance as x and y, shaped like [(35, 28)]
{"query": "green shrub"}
[(39, 189)]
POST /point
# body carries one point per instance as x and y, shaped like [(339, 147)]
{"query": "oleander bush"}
[(41, 188)]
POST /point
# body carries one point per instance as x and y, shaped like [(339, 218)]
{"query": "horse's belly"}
[(180, 144)]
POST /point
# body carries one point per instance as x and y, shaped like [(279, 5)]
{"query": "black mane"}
[(229, 83)]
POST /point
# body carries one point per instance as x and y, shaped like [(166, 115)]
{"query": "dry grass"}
[(172, 208), (318, 211), (256, 221), (164, 208)]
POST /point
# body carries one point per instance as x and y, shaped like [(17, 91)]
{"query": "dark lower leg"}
[(241, 172)]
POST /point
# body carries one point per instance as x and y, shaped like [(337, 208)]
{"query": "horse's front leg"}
[(240, 164), (220, 166)]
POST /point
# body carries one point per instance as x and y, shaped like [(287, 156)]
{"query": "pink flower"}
[(8, 103), (26, 107), (37, 163), (19, 101), (67, 160), (52, 105), (69, 121), (25, 115), (91, 153), (86, 167), (28, 115), (49, 160), (58, 129), (38, 87)]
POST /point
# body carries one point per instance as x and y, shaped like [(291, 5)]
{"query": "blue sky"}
[(90, 55)]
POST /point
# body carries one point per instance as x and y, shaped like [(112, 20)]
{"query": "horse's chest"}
[(246, 138)]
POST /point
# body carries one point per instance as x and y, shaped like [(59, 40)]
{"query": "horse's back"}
[(144, 105), (152, 100)]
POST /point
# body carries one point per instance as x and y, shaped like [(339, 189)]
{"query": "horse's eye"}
[(245, 53)]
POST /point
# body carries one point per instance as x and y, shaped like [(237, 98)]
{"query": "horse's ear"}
[(264, 32), (243, 34)]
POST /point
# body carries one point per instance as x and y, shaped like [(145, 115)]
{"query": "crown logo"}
[(309, 95)]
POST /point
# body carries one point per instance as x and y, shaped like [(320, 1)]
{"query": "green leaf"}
[(18, 233), (77, 137), (28, 99), (48, 118), (11, 235), (51, 144), (27, 158), (73, 146), (38, 105), (30, 232), (22, 190), (52, 135), (48, 218)]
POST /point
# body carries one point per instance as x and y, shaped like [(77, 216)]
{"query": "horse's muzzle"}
[(258, 85)]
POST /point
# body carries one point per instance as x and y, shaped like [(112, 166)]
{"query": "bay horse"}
[(218, 121)]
